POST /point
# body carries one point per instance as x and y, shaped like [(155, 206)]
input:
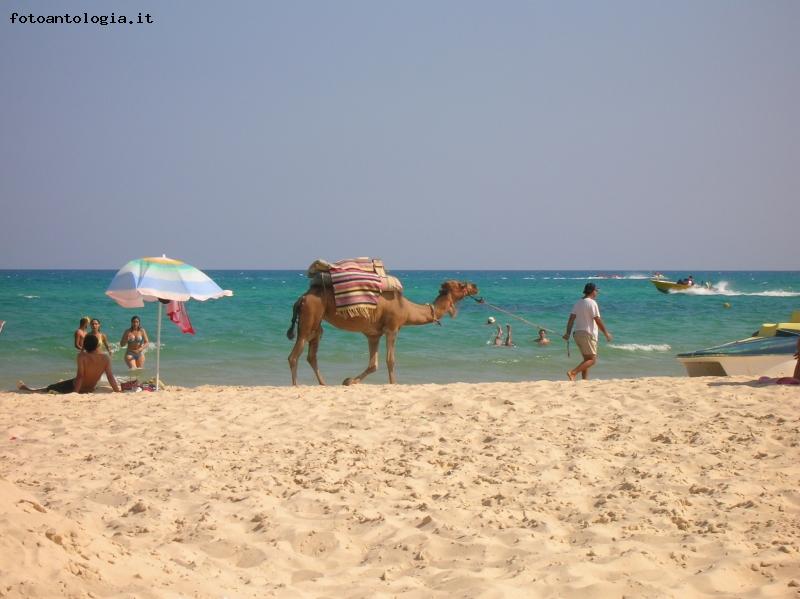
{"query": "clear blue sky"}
[(447, 134)]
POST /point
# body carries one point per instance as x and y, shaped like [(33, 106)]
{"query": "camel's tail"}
[(295, 317)]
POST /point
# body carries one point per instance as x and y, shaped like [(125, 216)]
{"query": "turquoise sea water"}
[(242, 340)]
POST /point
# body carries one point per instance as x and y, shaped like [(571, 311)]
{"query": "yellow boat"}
[(665, 286)]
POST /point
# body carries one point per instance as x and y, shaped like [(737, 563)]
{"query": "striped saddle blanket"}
[(356, 283)]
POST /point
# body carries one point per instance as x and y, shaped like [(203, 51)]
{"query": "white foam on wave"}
[(641, 346), (31, 296), (722, 288), (700, 290), (777, 293), (634, 277)]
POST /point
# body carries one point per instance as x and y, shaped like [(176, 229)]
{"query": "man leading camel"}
[(91, 366), (585, 316)]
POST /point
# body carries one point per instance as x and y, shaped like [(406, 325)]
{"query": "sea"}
[(241, 340)]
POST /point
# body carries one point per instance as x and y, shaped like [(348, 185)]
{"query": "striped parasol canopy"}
[(151, 279), (161, 279)]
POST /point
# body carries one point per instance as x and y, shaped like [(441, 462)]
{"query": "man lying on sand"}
[(91, 366)]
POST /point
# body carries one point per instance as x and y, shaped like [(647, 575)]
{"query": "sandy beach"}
[(653, 487)]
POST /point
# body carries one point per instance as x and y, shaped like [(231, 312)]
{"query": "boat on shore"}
[(768, 352)]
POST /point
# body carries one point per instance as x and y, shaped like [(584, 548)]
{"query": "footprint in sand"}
[(315, 543)]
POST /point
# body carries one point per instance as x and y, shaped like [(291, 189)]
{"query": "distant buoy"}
[(726, 305)]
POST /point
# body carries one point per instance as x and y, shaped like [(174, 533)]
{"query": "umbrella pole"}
[(158, 349)]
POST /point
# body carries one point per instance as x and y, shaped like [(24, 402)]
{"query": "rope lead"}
[(481, 300)]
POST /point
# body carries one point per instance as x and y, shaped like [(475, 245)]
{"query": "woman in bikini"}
[(136, 341), (102, 340)]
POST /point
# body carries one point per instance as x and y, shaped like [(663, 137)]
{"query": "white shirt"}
[(585, 311)]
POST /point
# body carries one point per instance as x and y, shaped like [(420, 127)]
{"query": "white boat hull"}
[(765, 365)]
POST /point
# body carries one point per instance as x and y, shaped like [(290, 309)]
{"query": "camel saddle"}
[(357, 283)]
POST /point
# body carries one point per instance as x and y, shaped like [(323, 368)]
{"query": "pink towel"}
[(177, 313)]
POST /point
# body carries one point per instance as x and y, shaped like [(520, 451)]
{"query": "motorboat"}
[(768, 352), (665, 286)]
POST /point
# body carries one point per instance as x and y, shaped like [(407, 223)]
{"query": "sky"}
[(627, 135)]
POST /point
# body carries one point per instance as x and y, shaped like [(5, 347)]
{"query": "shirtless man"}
[(91, 366)]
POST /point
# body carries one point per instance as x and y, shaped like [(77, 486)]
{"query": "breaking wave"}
[(641, 346), (722, 288)]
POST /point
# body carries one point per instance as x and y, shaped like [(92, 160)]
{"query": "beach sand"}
[(653, 487)]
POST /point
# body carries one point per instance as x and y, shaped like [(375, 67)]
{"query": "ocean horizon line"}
[(598, 270)]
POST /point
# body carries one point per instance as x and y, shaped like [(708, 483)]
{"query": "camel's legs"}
[(299, 344), (313, 346), (309, 329), (391, 338), (373, 341)]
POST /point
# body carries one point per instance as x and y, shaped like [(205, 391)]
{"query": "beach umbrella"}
[(163, 280)]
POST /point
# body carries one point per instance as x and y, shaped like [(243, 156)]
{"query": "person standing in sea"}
[(101, 337), (80, 333), (585, 317), (136, 341)]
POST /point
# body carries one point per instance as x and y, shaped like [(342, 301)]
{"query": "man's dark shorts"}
[(62, 386)]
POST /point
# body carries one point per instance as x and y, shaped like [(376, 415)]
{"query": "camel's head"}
[(454, 292)]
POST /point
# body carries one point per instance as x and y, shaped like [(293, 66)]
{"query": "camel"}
[(392, 312)]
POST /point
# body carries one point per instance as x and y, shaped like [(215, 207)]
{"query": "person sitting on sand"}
[(509, 342), (135, 338), (91, 366), (80, 333), (543, 340)]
